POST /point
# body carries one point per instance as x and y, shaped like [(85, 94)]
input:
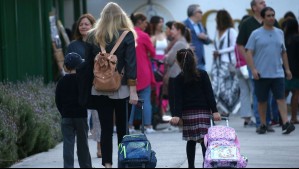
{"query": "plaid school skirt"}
[(195, 124)]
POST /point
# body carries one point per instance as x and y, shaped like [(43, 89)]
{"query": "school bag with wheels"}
[(135, 150), (223, 147)]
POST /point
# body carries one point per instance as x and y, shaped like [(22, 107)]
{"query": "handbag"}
[(158, 75), (244, 71)]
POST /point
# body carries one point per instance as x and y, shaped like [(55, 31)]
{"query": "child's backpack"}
[(106, 76), (223, 148), (135, 151)]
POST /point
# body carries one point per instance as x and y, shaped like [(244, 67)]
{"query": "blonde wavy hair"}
[(112, 19)]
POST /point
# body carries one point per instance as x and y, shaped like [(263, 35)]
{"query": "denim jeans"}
[(144, 94)]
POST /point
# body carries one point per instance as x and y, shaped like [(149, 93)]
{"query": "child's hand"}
[(216, 116), (174, 121)]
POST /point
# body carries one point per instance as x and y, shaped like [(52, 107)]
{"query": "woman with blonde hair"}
[(111, 24)]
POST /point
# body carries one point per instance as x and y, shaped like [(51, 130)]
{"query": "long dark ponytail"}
[(187, 62)]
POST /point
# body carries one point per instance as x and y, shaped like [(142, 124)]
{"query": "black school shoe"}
[(288, 128), (262, 129)]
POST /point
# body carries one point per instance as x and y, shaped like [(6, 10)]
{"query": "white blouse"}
[(225, 48)]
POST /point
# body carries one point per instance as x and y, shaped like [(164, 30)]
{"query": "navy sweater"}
[(66, 98), (196, 95)]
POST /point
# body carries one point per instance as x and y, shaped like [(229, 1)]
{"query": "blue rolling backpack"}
[(135, 150)]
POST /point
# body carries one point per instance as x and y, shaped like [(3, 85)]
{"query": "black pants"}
[(190, 149), (72, 128), (171, 93), (106, 108)]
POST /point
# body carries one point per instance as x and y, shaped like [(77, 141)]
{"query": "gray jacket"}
[(170, 58)]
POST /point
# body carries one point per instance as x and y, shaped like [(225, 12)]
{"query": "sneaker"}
[(270, 128), (132, 130), (262, 129), (288, 128), (249, 124), (149, 130)]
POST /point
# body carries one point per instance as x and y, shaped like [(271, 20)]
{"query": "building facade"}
[(25, 32)]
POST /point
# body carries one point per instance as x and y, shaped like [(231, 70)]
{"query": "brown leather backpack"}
[(106, 76)]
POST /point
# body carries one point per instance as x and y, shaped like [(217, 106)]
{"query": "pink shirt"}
[(144, 51), (240, 59)]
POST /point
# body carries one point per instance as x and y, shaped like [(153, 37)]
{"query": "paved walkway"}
[(271, 150)]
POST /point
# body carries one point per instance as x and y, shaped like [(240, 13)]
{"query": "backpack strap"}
[(103, 49), (120, 39)]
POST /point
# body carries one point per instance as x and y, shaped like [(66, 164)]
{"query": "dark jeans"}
[(106, 108), (72, 128)]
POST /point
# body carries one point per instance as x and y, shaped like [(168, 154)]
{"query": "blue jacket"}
[(198, 44)]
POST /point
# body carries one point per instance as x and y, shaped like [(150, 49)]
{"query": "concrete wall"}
[(176, 10)]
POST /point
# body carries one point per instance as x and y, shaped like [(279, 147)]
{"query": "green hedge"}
[(29, 119)]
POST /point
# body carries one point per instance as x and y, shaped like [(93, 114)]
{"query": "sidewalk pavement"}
[(270, 150)]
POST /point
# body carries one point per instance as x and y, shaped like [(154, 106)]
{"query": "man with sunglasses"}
[(199, 35)]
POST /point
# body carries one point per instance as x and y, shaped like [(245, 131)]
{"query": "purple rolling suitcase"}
[(223, 148)]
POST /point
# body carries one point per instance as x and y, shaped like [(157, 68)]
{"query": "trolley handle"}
[(222, 118), (139, 104)]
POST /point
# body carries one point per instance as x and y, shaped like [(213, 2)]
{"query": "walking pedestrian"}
[(195, 103), (74, 116), (265, 55), (112, 23), (292, 43), (246, 111), (246, 27)]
